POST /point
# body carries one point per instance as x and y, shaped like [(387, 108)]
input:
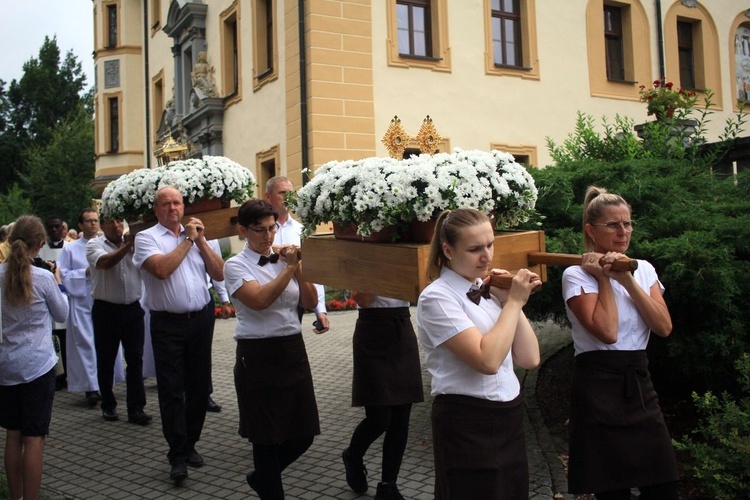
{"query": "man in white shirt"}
[(174, 260), (289, 233), (117, 317)]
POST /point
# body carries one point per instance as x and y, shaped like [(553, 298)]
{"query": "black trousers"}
[(182, 355), (115, 324), (270, 461), (394, 422)]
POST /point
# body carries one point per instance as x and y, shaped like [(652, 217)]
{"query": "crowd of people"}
[(104, 295)]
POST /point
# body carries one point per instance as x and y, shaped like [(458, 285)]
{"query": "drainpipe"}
[(303, 88), (660, 37), (146, 84)]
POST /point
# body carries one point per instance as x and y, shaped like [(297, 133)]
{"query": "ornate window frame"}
[(530, 57), (441, 51)]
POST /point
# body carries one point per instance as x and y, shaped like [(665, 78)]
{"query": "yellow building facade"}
[(226, 76)]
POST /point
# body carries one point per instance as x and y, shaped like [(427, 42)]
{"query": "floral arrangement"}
[(661, 98), (378, 192), (132, 195)]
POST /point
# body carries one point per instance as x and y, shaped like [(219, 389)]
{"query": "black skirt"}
[(387, 369), (275, 391), (480, 449), (618, 438)]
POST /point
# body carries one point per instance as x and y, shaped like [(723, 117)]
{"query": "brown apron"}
[(618, 438), (275, 390), (387, 369), (480, 449)]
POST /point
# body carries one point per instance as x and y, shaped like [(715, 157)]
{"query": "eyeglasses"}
[(264, 230), (613, 226)]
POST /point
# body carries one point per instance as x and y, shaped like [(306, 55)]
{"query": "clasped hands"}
[(524, 284)]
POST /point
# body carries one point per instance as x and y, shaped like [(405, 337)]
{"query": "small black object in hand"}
[(317, 325)]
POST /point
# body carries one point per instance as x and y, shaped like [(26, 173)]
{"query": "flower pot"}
[(666, 115), (349, 232), (205, 205), (419, 231)]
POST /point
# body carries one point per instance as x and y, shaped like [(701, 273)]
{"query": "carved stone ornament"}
[(202, 76)]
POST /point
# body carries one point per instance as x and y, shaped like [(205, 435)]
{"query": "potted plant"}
[(662, 99), (131, 196), (377, 193)]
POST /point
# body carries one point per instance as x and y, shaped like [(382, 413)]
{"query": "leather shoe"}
[(212, 406), (195, 459), (110, 415), (139, 417), (93, 397), (179, 473)]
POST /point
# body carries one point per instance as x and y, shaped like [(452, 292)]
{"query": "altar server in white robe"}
[(76, 277)]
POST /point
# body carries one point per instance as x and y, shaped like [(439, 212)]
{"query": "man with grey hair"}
[(290, 233), (174, 260)]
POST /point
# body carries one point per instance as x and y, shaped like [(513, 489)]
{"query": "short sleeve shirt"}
[(632, 331), (280, 319), (185, 290), (443, 311)]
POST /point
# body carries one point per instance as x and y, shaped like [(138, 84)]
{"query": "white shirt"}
[(49, 253), (219, 287), (26, 351), (184, 290), (280, 319), (290, 233), (120, 284), (380, 302), (443, 311), (632, 331)]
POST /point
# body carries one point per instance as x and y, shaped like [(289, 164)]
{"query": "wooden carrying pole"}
[(562, 259)]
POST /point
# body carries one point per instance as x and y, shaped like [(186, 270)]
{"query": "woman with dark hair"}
[(278, 411), (472, 335), (387, 379), (618, 438), (31, 299)]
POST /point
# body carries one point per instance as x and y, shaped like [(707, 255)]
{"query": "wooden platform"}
[(217, 223), (399, 269)]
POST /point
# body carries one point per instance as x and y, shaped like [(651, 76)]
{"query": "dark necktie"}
[(274, 257), (475, 293)]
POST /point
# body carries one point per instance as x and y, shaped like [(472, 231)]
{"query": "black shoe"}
[(250, 478), (212, 406), (356, 474), (93, 397), (110, 415), (139, 417), (195, 459), (179, 473), (388, 491)]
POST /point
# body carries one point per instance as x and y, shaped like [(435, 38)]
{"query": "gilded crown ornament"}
[(396, 139)]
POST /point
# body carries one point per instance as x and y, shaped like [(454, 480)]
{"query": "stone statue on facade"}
[(202, 76)]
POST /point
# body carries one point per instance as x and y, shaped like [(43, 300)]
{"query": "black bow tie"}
[(274, 257), (475, 293)]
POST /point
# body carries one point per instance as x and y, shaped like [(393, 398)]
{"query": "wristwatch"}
[(191, 240)]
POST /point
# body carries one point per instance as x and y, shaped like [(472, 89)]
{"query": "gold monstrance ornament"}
[(428, 137), (395, 139), (170, 150)]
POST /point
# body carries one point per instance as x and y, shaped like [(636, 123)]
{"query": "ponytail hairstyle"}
[(25, 240), (447, 229), (593, 206)]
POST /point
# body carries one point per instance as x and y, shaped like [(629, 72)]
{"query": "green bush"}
[(721, 452)]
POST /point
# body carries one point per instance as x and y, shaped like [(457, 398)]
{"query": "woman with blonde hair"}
[(473, 334), (618, 438), (31, 299)]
